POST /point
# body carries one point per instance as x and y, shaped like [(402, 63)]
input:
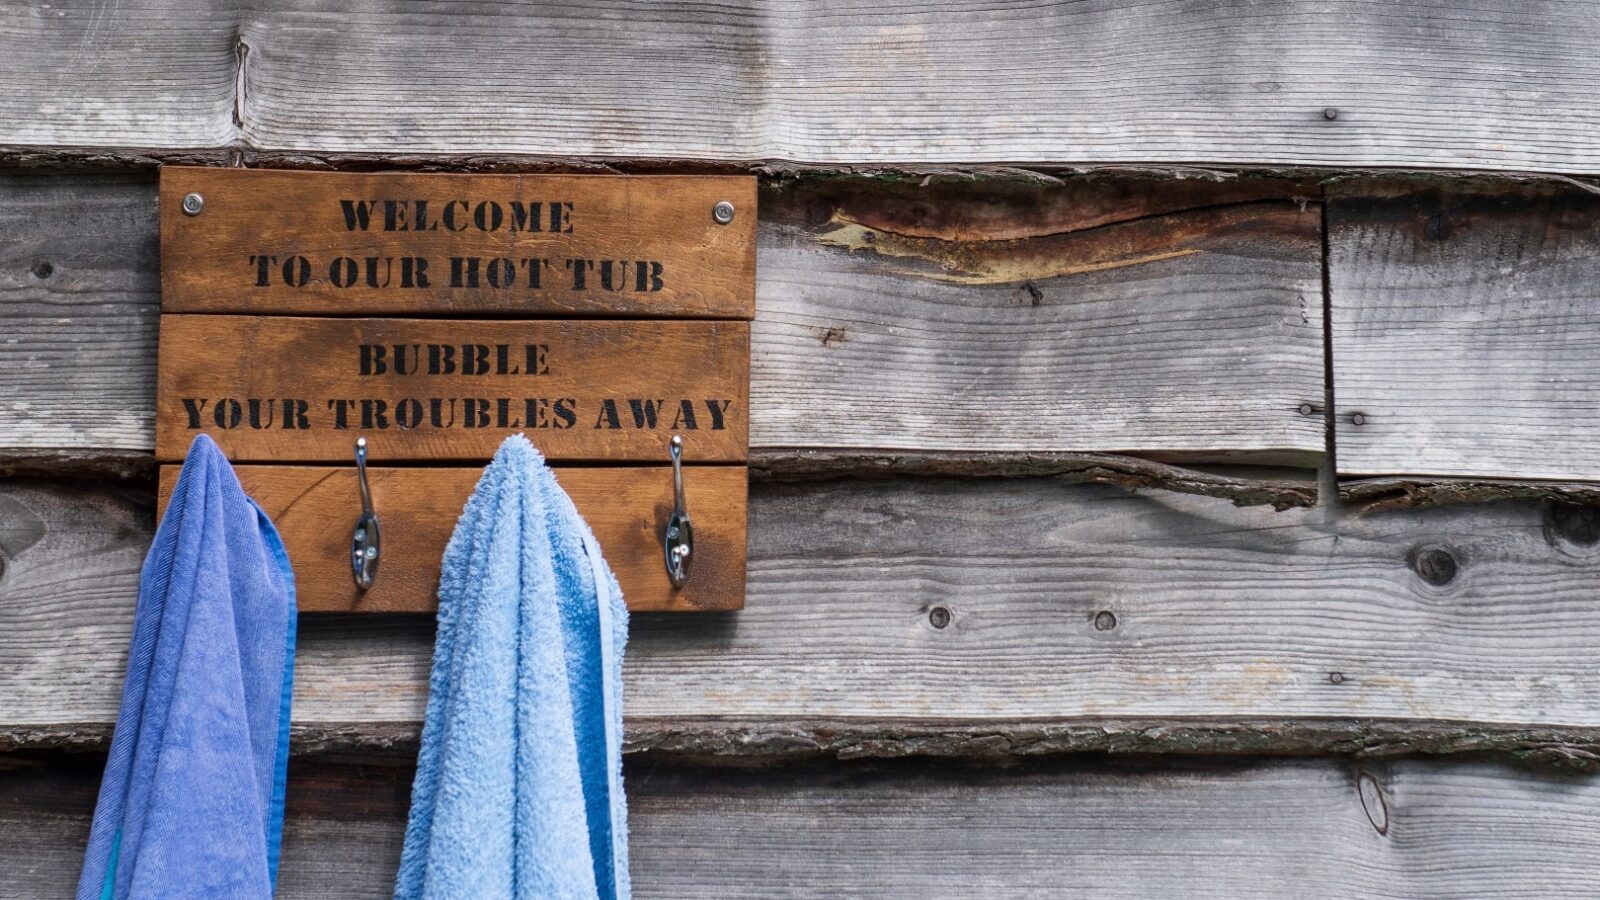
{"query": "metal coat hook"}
[(678, 540), (364, 543)]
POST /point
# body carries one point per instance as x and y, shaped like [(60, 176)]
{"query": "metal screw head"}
[(1358, 419), (193, 203), (1307, 409), (1330, 114), (722, 212)]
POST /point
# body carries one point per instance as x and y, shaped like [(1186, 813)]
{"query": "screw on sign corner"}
[(722, 212), (193, 204)]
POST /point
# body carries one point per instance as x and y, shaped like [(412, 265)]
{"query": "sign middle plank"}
[(291, 389)]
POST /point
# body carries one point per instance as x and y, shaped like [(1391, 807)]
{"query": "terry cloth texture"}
[(518, 792), (191, 804)]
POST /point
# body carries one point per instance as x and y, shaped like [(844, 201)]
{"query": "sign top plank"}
[(339, 243)]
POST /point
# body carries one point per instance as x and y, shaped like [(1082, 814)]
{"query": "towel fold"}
[(518, 792), (191, 803)]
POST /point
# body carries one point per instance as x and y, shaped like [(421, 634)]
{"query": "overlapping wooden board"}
[(1104, 359), (1417, 830), (290, 389), (315, 509), (1466, 326), (446, 244), (1217, 615), (1417, 83)]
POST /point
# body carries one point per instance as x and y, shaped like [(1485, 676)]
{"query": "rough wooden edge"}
[(96, 158), (91, 463), (1095, 468), (766, 741), (1401, 492)]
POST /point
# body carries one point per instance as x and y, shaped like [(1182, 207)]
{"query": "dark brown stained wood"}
[(1253, 830), (1465, 327), (1223, 627), (1296, 82), (350, 243), (610, 391), (627, 507), (856, 351)]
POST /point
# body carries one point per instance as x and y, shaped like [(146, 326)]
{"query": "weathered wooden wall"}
[(1266, 484), (1420, 83)]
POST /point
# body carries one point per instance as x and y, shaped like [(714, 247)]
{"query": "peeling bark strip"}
[(340, 243), (1464, 327), (849, 353), (1028, 615), (1405, 829), (758, 80)]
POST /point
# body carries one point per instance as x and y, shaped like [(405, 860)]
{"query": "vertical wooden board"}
[(1465, 328), (346, 243), (286, 389), (315, 509)]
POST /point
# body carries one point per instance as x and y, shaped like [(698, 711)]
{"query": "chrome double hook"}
[(678, 540), (364, 542)]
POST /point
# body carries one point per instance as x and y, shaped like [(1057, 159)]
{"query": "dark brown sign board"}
[(339, 243), (291, 389), (418, 507), (433, 315)]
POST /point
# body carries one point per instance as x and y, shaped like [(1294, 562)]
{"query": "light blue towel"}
[(518, 793), (191, 804)]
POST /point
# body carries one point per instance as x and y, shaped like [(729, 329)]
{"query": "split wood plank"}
[(289, 389), (1255, 830), (336, 243), (1067, 606), (852, 348), (1420, 83), (315, 509), (1464, 323)]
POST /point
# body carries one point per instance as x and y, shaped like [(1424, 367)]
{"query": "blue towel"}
[(518, 792), (191, 804)]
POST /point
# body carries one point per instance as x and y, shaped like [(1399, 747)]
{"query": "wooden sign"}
[(434, 315), (289, 389), (312, 508), (338, 243)]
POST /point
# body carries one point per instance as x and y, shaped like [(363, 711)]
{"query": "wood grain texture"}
[(855, 350), (78, 295), (1229, 830), (1071, 605), (291, 389), (645, 246), (1422, 83), (315, 508), (1464, 327)]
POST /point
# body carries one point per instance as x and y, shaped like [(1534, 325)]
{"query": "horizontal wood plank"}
[(319, 243), (1415, 84), (1001, 606), (292, 389), (1464, 320), (1233, 830), (1081, 317), (315, 509)]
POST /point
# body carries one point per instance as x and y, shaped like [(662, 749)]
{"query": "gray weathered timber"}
[(1465, 329), (1407, 829), (1161, 615), (79, 289), (1423, 83), (1098, 315)]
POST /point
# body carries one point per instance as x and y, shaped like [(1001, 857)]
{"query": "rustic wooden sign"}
[(302, 311), (289, 389), (313, 509), (340, 243)]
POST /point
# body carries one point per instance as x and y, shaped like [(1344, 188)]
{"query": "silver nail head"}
[(193, 203), (722, 212), (372, 553)]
